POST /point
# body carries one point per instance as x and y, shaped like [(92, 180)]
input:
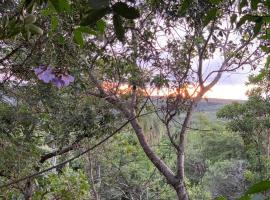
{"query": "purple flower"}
[(39, 69), (44, 74), (58, 82), (67, 79), (62, 80), (47, 75)]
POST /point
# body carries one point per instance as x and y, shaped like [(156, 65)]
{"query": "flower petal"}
[(58, 82), (67, 79), (39, 69), (47, 75)]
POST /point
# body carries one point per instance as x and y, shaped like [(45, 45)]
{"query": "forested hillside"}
[(105, 100), (210, 106)]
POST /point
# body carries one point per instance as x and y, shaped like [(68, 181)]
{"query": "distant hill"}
[(225, 101), (210, 106), (205, 105)]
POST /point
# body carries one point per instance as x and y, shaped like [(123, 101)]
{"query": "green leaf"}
[(245, 197), (78, 38), (266, 19), (86, 29), (61, 39), (61, 5), (184, 7), (126, 11), (26, 33), (98, 4), (93, 16), (101, 26), (54, 23), (257, 27), (216, 1), (262, 186), (267, 4), (48, 11), (27, 3), (221, 198), (267, 64), (78, 34), (242, 4), (30, 19), (246, 18), (265, 48), (233, 18), (118, 27), (13, 31), (254, 4), (35, 29), (211, 14)]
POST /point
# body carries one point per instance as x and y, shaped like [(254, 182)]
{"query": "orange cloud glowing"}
[(219, 91)]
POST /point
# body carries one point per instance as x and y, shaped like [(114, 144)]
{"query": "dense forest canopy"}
[(84, 115)]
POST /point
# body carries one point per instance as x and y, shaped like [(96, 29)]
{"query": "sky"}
[(231, 86), (228, 91)]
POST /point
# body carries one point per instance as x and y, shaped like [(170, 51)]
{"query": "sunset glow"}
[(237, 92), (219, 91)]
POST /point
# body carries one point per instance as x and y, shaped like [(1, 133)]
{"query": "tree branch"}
[(201, 54), (180, 172)]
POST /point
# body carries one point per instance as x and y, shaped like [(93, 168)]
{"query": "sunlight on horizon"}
[(235, 92)]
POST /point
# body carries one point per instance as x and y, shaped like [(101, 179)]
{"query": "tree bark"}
[(181, 191), (28, 190), (91, 177), (180, 187), (157, 161), (176, 182), (268, 145), (181, 147)]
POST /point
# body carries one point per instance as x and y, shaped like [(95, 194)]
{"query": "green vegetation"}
[(95, 100)]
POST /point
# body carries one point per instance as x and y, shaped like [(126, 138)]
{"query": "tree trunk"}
[(181, 191), (176, 182), (28, 190), (153, 157), (268, 145), (27, 197), (180, 188)]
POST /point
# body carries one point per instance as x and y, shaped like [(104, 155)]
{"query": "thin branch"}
[(170, 136), (11, 53), (66, 161), (221, 69), (202, 52), (181, 146), (78, 155), (61, 151)]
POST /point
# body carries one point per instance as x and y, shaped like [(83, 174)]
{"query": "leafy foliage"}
[(101, 82)]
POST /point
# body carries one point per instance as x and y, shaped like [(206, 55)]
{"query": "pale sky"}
[(231, 86), (236, 91)]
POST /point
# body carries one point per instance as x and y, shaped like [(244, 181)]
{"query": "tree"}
[(121, 64), (251, 120), (178, 73)]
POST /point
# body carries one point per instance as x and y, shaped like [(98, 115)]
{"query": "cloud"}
[(220, 91)]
